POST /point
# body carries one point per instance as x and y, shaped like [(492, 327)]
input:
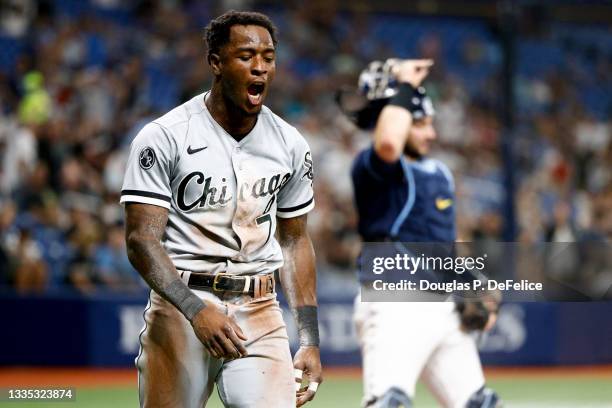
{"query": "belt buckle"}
[(216, 281), (270, 284)]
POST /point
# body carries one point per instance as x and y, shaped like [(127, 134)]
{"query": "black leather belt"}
[(254, 285)]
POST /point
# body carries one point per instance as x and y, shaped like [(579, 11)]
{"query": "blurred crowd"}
[(79, 79)]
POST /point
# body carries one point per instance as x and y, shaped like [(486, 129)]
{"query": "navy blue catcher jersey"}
[(406, 201)]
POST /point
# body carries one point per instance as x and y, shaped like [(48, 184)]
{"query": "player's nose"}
[(259, 66), (431, 132)]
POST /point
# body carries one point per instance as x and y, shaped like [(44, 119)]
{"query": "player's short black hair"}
[(217, 32)]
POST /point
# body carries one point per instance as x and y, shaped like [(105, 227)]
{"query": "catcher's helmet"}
[(377, 80), (376, 86)]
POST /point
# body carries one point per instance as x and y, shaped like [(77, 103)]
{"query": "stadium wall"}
[(103, 330)]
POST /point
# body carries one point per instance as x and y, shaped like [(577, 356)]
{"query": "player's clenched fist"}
[(307, 361), (219, 333)]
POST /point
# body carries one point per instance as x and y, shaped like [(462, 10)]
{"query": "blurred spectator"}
[(16, 16), (83, 236), (18, 155), (561, 229), (7, 236), (21, 260), (112, 267), (28, 269), (35, 105)]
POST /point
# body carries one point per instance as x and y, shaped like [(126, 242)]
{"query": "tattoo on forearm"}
[(299, 278), (308, 326), (144, 229)]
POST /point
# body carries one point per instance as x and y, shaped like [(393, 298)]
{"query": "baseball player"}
[(403, 196), (216, 194)]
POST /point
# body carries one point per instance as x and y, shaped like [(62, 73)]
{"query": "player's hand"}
[(412, 71), (307, 361), (491, 303), (491, 321), (219, 333)]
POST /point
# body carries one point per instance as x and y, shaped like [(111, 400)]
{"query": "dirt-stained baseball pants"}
[(174, 369), (402, 341)]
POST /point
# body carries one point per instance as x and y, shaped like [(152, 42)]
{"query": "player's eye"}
[(269, 57), (244, 57)]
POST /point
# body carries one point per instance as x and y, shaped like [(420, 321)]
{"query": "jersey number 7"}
[(265, 218)]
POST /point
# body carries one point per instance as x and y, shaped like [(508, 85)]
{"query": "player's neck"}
[(230, 118)]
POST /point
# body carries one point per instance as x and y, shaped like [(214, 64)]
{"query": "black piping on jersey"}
[(297, 207), (145, 194)]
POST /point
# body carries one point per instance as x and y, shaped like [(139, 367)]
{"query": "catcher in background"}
[(403, 196)]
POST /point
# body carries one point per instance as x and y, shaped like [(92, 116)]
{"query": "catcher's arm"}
[(395, 118)]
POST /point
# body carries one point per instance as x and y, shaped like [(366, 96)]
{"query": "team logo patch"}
[(147, 158), (309, 173), (443, 203)]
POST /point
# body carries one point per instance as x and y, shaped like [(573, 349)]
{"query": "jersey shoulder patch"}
[(147, 157)]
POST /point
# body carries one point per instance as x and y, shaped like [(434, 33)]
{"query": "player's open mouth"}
[(255, 92)]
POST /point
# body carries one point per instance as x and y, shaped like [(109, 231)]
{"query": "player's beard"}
[(412, 152)]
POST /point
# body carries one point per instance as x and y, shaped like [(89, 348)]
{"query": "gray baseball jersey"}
[(223, 196)]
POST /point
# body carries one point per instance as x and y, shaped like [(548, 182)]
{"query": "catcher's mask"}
[(376, 86)]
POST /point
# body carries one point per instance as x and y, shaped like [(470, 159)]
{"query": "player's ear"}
[(214, 60)]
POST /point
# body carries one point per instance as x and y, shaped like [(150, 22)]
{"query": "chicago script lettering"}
[(211, 195)]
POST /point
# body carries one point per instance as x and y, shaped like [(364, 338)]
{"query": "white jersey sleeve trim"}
[(447, 173), (144, 197), (295, 211)]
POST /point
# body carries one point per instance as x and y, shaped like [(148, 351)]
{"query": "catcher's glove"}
[(475, 314)]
